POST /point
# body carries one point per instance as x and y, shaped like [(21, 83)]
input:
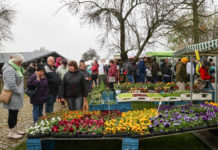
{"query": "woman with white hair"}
[(13, 77)]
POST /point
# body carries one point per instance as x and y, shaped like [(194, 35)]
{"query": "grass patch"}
[(22, 146), (178, 142)]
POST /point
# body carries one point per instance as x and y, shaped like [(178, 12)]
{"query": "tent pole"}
[(191, 78), (216, 71), (173, 69)]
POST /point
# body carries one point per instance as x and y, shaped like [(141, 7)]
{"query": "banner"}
[(197, 54)]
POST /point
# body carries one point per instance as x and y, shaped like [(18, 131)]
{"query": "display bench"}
[(128, 143)]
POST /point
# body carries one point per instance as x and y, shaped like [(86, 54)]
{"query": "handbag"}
[(5, 96), (112, 80), (85, 105), (30, 92)]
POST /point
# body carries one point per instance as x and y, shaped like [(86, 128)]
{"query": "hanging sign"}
[(197, 54)]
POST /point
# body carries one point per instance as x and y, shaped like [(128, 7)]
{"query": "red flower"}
[(55, 129), (71, 129)]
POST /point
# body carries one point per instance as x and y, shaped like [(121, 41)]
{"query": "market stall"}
[(209, 48)]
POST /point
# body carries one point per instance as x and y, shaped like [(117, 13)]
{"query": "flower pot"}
[(187, 129), (112, 135), (38, 136), (118, 91), (136, 136), (89, 135)]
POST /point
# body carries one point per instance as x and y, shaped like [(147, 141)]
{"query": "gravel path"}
[(24, 121)]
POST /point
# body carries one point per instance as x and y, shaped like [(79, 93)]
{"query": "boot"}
[(18, 131), (13, 135)]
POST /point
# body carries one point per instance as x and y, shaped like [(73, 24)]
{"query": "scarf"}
[(18, 69)]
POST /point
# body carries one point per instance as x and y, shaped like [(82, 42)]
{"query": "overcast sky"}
[(37, 25)]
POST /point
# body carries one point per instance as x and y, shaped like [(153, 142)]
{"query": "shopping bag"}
[(5, 96)]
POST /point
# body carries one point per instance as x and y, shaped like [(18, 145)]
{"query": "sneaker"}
[(18, 131), (13, 135)]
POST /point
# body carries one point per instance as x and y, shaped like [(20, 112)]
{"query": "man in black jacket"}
[(54, 82)]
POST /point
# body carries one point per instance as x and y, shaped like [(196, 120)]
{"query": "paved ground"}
[(24, 121)]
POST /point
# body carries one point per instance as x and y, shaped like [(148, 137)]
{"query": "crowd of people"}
[(70, 83)]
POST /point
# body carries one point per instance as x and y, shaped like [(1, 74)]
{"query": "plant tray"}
[(202, 96), (173, 99), (196, 97), (187, 97), (157, 99), (127, 99)]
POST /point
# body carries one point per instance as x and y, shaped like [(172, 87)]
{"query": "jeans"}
[(49, 106), (155, 78), (37, 112), (12, 118), (102, 78), (142, 78), (75, 103), (130, 78)]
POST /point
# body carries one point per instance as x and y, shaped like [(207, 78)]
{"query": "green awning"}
[(160, 54), (209, 47)]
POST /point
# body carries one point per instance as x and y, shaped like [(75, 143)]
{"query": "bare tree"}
[(147, 25), (110, 15), (90, 54), (192, 26), (181, 32), (6, 20)]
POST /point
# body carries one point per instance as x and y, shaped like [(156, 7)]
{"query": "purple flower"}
[(191, 111), (156, 123), (150, 126), (160, 115), (166, 125), (176, 124), (179, 117), (161, 121), (171, 119)]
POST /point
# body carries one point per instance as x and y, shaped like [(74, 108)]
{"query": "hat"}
[(64, 61), (40, 67), (184, 60)]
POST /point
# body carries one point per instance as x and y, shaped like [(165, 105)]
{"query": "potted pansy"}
[(117, 88)]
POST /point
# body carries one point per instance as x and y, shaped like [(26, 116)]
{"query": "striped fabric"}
[(204, 47)]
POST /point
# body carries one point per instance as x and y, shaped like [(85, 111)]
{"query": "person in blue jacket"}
[(141, 71)]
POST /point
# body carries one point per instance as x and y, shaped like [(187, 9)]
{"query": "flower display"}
[(177, 118), (132, 123)]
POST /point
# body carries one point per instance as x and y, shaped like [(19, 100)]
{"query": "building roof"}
[(28, 56), (205, 48)]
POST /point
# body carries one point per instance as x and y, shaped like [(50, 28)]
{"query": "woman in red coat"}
[(94, 75), (112, 74), (204, 71)]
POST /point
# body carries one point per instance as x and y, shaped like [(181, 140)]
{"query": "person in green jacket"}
[(181, 74)]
